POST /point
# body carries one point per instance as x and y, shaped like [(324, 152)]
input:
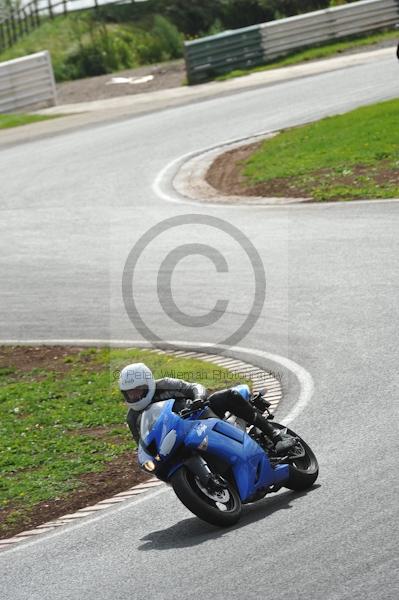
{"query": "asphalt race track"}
[(74, 206)]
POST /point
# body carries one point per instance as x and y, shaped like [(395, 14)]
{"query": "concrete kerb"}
[(260, 377)]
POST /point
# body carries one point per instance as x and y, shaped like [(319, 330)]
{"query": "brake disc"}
[(220, 496)]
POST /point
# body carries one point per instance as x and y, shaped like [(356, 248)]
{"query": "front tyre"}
[(222, 509), (304, 470)]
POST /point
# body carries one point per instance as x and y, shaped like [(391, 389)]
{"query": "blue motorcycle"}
[(215, 466)]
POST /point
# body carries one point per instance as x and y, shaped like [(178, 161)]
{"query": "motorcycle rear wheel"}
[(192, 495)]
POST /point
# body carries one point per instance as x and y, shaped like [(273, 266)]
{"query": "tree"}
[(196, 18), (288, 8), (189, 17), (241, 13)]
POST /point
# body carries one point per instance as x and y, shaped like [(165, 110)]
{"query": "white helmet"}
[(138, 377)]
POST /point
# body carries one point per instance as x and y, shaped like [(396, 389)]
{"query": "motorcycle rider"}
[(140, 389)]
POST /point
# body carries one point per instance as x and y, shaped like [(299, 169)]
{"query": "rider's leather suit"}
[(220, 402)]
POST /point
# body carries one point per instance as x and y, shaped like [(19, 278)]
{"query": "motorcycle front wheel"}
[(221, 508), (304, 470)]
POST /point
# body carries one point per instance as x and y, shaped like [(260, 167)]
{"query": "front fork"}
[(212, 482), (197, 465)]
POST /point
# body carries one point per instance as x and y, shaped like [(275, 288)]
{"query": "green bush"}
[(111, 48), (105, 52), (169, 37), (87, 43), (162, 42)]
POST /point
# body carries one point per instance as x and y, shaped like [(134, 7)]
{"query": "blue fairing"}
[(168, 432)]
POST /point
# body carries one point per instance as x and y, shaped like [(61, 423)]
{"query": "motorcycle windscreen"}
[(149, 418)]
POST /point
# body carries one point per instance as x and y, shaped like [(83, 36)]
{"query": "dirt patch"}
[(100, 432), (118, 475), (97, 432), (22, 359), (165, 76), (226, 175)]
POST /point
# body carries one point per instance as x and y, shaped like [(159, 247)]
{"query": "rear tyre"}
[(222, 511)]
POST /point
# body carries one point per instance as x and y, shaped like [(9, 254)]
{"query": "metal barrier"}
[(286, 35), (223, 52), (27, 82), (230, 50)]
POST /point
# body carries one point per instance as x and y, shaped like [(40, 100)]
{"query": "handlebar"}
[(193, 407)]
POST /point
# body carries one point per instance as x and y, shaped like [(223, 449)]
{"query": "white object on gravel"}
[(130, 80)]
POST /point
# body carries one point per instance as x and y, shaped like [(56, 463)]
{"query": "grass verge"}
[(323, 51), (7, 121), (347, 157), (62, 426)]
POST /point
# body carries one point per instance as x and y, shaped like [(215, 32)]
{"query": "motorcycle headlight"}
[(149, 466), (168, 443)]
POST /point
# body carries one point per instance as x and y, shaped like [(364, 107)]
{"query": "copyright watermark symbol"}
[(218, 266)]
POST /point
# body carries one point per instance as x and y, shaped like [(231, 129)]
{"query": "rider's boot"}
[(282, 441)]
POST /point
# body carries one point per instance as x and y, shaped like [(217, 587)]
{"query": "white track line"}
[(72, 527), (304, 378)]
